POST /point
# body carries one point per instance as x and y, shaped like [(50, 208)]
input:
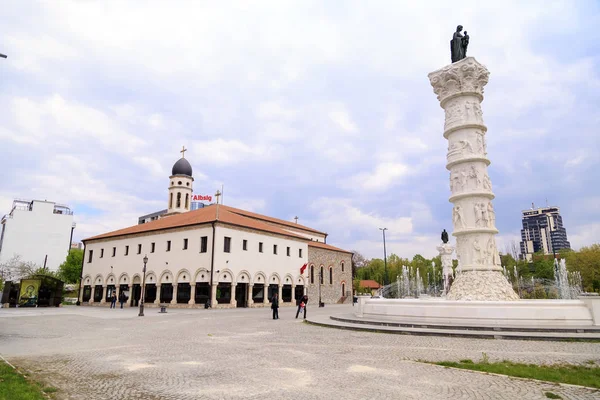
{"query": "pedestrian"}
[(122, 298), (113, 300), (302, 306), (275, 306)]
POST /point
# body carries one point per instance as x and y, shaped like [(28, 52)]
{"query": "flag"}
[(302, 269)]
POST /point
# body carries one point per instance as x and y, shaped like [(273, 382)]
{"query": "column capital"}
[(466, 76)]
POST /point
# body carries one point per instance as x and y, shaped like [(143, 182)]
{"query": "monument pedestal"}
[(459, 88)]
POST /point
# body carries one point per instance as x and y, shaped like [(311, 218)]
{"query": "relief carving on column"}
[(466, 75), (458, 217), (487, 183), (485, 217), (459, 149), (481, 145)]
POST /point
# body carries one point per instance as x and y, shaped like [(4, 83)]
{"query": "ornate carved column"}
[(459, 88)]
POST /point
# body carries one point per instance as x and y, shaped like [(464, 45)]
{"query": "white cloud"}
[(343, 120), (383, 177)]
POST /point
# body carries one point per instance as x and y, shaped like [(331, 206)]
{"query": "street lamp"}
[(141, 314), (385, 275)]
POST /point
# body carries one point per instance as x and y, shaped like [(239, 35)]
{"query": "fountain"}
[(481, 296)]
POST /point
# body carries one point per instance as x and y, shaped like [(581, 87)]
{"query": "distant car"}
[(376, 296)]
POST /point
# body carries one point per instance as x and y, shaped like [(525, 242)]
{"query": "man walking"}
[(122, 298), (113, 300), (302, 306)]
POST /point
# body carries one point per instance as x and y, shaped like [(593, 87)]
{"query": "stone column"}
[(192, 293), (459, 88), (213, 295), (93, 293), (293, 294), (279, 293), (266, 294), (103, 299), (158, 289), (446, 251), (174, 299), (250, 301), (232, 301)]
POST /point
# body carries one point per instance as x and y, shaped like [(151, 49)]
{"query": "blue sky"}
[(317, 109)]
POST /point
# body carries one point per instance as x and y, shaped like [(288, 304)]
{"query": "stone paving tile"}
[(93, 353)]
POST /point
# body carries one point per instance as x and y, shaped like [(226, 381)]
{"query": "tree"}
[(70, 270), (15, 268)]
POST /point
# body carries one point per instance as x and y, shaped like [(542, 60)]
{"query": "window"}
[(178, 199), (187, 201), (168, 245), (114, 251), (171, 199), (342, 266), (152, 247), (288, 251), (245, 245), (227, 245), (321, 275), (274, 249), (91, 254), (126, 250), (300, 253), (139, 249), (185, 243), (312, 274), (101, 253), (331, 275), (203, 244), (260, 247)]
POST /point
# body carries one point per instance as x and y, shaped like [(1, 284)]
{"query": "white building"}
[(38, 232), (223, 254)]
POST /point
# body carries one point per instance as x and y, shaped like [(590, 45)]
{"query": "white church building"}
[(221, 254)]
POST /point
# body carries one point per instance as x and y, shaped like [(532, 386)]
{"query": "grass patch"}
[(583, 375), (551, 395), (14, 386)]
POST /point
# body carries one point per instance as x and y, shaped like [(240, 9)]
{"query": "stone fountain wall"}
[(459, 88)]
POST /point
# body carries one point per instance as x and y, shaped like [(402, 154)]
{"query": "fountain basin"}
[(521, 313)]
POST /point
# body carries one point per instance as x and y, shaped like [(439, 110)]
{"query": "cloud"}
[(382, 177)]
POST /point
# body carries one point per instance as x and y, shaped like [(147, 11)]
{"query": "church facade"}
[(218, 254)]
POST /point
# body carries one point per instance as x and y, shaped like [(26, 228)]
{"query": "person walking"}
[(302, 306), (122, 298), (275, 306), (113, 300)]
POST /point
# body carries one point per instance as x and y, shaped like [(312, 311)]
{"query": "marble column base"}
[(482, 286)]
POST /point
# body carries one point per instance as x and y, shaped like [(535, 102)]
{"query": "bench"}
[(163, 308)]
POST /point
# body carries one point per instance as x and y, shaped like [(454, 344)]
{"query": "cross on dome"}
[(183, 150)]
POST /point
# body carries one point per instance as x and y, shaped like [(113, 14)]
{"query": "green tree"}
[(70, 270)]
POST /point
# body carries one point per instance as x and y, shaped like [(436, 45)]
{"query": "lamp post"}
[(141, 314), (385, 273)]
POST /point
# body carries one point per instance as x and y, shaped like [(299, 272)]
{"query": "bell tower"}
[(180, 186)]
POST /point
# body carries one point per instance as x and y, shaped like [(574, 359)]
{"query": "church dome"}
[(182, 167)]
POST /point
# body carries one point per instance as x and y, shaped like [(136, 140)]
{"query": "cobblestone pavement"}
[(98, 353)]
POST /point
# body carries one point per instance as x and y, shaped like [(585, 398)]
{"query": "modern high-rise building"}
[(37, 231), (542, 231)]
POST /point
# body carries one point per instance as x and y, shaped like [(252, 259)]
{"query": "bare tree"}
[(15, 268)]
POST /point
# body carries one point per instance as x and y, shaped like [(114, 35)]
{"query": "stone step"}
[(351, 318), (327, 321)]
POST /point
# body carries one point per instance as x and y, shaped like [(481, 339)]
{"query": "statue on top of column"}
[(458, 45), (444, 236)]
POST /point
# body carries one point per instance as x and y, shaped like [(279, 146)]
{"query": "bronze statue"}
[(444, 236), (458, 45)]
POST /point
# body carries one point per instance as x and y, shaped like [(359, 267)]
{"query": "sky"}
[(321, 110)]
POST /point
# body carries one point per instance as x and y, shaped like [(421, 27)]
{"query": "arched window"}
[(321, 276), (342, 266), (331, 275), (187, 201), (343, 289), (312, 274), (171, 200), (178, 199)]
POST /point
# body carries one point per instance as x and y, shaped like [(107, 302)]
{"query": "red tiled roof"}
[(274, 220), (206, 215), (370, 284), (327, 247)]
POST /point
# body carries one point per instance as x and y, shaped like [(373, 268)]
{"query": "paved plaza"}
[(98, 353)]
